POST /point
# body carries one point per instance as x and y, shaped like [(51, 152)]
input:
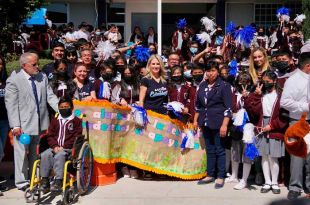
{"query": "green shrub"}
[(12, 65)]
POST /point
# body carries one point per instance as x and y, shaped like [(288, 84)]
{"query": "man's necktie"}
[(34, 90)]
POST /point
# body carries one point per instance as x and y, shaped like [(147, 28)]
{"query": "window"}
[(265, 14)]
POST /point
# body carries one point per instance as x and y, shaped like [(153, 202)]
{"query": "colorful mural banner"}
[(114, 138)]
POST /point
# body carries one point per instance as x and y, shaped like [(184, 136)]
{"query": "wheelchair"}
[(77, 172)]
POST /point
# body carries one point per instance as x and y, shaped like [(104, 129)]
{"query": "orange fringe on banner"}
[(151, 169)]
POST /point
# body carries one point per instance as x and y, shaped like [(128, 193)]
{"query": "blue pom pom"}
[(233, 68), (283, 11), (184, 140), (24, 139), (231, 28), (245, 36), (181, 23), (245, 120), (251, 151), (142, 54)]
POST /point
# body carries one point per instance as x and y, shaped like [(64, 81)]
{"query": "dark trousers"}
[(215, 149)]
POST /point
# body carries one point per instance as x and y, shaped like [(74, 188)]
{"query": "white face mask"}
[(193, 50), (187, 74)]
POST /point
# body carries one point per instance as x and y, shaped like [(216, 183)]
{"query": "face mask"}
[(120, 68), (198, 78), (193, 50), (260, 33), (65, 112), (282, 66), (268, 86), (98, 33), (106, 76), (187, 75), (219, 33), (62, 74), (128, 79), (176, 78)]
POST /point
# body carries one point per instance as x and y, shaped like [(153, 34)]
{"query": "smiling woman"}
[(153, 90), (258, 64)]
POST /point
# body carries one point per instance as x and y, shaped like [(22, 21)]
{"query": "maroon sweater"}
[(278, 121), (62, 133)]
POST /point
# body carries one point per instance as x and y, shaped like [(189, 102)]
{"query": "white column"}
[(159, 24)]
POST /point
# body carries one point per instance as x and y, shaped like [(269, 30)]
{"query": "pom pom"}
[(233, 68), (283, 11), (24, 139), (104, 50), (248, 133), (251, 151), (231, 28), (203, 37), (176, 108), (142, 54), (241, 119), (208, 23), (140, 116), (245, 36), (300, 18), (188, 141), (181, 23)]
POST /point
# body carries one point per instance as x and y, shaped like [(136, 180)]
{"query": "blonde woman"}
[(153, 89), (258, 64)]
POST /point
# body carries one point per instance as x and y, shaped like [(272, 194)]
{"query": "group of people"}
[(213, 81)]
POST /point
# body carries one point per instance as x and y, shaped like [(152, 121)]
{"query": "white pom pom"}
[(300, 18), (176, 106), (238, 119), (286, 18), (204, 37), (104, 50), (248, 133), (208, 23)]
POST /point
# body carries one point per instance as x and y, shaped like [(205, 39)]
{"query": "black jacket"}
[(213, 105)]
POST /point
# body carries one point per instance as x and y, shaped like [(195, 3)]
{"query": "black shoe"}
[(293, 195), (3, 188), (219, 185), (24, 187), (275, 189), (45, 184), (265, 189), (56, 187), (206, 181)]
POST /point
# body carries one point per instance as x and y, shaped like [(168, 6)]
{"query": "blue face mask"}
[(98, 33), (193, 50), (187, 74)]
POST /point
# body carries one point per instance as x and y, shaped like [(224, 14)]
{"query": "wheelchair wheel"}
[(68, 196), (32, 196), (85, 168)]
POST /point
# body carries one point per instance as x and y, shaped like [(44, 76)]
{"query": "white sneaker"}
[(231, 180), (241, 185)]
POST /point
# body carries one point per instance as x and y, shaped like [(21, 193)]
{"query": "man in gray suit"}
[(26, 95)]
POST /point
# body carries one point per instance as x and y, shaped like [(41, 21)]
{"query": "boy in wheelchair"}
[(61, 135)]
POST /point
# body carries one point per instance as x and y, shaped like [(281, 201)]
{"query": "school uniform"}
[(179, 93), (265, 110), (213, 104), (62, 132), (237, 145)]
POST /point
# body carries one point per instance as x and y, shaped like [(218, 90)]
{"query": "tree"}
[(12, 13), (306, 24)]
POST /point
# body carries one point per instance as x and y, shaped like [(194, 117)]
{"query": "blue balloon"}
[(24, 139)]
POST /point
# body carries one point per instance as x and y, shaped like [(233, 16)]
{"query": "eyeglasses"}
[(34, 65)]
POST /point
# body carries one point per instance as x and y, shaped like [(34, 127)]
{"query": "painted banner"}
[(115, 138)]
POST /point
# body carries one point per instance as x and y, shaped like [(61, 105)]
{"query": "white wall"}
[(79, 12)]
